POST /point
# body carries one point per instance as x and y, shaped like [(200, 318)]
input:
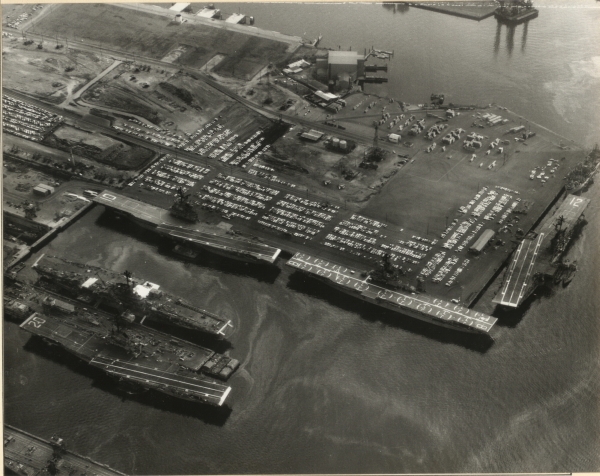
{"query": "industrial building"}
[(340, 68), (482, 241), (43, 190)]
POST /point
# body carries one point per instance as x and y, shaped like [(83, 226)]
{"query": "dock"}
[(27, 454), (473, 10)]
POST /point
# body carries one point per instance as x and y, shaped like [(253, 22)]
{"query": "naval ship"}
[(136, 355), (538, 260), (179, 224), (384, 288), (125, 294)]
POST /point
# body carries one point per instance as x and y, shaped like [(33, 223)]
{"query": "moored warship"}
[(127, 294)]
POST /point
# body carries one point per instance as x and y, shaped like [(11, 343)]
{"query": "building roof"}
[(326, 96), (343, 57), (483, 240), (236, 18), (179, 7)]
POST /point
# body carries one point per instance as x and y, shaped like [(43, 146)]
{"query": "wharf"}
[(472, 10), (211, 237), (27, 454), (534, 254), (421, 306)]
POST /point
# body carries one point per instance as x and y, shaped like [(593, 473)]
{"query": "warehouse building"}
[(482, 241), (340, 68)]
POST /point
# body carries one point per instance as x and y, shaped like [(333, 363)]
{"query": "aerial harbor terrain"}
[(267, 238)]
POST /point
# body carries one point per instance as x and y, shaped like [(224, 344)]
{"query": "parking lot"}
[(26, 120)]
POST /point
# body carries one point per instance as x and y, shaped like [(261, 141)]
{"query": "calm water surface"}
[(330, 385)]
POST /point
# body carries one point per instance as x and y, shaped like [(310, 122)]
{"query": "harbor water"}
[(331, 385)]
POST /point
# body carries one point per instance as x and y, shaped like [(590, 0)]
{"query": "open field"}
[(150, 35)]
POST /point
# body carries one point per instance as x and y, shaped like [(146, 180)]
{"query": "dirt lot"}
[(99, 147), (43, 73), (155, 36), (17, 188), (153, 95)]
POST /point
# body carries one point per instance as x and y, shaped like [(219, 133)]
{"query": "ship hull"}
[(404, 311)]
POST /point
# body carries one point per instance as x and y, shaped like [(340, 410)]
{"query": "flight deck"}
[(204, 235), (421, 306), (518, 278)]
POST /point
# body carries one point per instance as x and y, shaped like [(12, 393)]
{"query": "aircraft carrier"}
[(538, 258), (209, 237), (420, 306), (127, 294), (134, 354)]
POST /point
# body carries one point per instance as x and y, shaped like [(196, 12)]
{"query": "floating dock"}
[(27, 454), (205, 236), (420, 306)]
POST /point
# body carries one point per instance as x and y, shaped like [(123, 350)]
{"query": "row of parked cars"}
[(26, 120), (271, 223), (307, 222), (457, 271), (232, 196), (304, 210), (240, 190), (246, 183), (271, 178), (445, 269), (210, 202)]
